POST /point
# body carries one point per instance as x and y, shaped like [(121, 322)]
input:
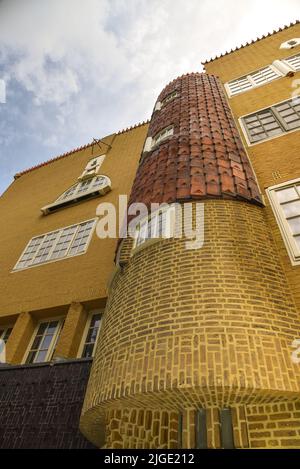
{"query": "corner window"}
[(285, 202), (86, 189), (91, 334), (5, 333), (270, 122), (43, 344), (59, 244)]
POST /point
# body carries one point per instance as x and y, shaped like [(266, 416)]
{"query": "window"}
[(162, 135), (169, 97), (290, 44), (201, 429), (158, 225), (44, 342), (285, 202), (62, 243), (294, 62), (5, 333), (92, 167), (91, 334), (227, 441), (273, 121), (83, 190), (252, 80)]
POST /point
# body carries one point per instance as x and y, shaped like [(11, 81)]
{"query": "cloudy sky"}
[(78, 69)]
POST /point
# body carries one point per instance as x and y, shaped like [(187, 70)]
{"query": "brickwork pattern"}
[(40, 405)]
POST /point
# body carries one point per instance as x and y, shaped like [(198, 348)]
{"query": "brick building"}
[(196, 348)]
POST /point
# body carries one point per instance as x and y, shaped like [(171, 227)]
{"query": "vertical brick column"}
[(19, 338), (72, 331)]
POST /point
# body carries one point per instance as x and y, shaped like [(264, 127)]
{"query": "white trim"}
[(87, 172), (288, 238), (243, 128), (86, 330), (67, 256), (77, 195), (252, 82), (60, 320)]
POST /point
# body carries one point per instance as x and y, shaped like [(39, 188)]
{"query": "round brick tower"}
[(192, 329)]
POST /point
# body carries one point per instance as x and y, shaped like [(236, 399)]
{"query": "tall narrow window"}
[(65, 242), (201, 429), (91, 335), (5, 333), (285, 202), (44, 342), (226, 428)]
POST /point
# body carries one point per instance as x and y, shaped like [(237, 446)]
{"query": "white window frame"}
[(67, 256), (143, 225), (252, 82), (162, 135), (94, 164), (288, 238), (86, 330), (52, 346), (4, 331), (287, 59), (245, 132), (286, 45), (78, 195)]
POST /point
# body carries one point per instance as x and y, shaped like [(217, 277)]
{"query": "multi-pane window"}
[(294, 62), (44, 342), (162, 135), (93, 328), (285, 201), (169, 97), (273, 121), (252, 80), (58, 244), (5, 333), (158, 225)]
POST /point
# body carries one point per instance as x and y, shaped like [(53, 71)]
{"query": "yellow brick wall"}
[(79, 279), (208, 327)]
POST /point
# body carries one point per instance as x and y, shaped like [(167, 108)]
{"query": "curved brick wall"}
[(205, 157)]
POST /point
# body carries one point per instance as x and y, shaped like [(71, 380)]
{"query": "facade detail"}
[(141, 342)]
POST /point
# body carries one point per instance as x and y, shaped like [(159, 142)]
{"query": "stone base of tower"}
[(275, 425)]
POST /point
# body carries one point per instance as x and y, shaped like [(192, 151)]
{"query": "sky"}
[(76, 70)]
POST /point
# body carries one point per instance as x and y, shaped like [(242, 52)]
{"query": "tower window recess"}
[(159, 225), (64, 242), (273, 121), (293, 61), (201, 429), (90, 337), (285, 202), (5, 333), (227, 440), (169, 97), (86, 189), (252, 80), (44, 341)]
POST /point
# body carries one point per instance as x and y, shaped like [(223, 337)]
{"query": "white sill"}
[(51, 261)]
